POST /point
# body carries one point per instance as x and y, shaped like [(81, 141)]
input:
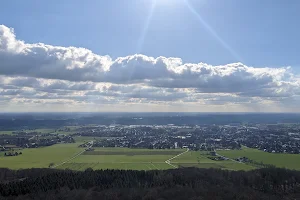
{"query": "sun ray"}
[(146, 27), (212, 31)]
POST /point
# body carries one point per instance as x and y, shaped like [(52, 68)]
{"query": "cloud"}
[(46, 61), (40, 73)]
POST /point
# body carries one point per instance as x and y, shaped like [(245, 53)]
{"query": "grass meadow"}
[(200, 159), (138, 159), (122, 158), (41, 130), (40, 157), (290, 161)]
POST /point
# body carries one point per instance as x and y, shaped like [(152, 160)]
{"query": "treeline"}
[(56, 120), (259, 164), (186, 183)]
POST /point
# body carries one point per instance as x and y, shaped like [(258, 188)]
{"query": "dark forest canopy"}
[(185, 183)]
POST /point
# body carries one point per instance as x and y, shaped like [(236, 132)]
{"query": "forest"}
[(12, 121), (183, 183)]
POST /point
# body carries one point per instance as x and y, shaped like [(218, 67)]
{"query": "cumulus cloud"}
[(40, 73)]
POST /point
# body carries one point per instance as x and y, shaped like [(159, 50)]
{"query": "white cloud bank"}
[(40, 75)]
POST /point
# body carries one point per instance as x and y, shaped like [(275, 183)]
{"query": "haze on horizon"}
[(149, 56)]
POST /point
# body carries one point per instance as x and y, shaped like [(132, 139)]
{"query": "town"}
[(274, 138), (30, 139)]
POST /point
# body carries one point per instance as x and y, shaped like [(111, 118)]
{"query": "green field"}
[(145, 152), (124, 166), (122, 158), (199, 159), (139, 159), (290, 161), (5, 132), (40, 157), (146, 159), (41, 130), (109, 158)]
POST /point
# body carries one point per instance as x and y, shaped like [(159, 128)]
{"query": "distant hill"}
[(13, 121)]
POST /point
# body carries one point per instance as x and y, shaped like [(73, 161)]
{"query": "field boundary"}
[(161, 162), (131, 153), (125, 165), (73, 157), (169, 160)]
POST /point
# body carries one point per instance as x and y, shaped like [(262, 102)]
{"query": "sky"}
[(150, 56)]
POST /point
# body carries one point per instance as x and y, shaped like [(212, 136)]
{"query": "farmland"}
[(139, 159), (40, 157), (113, 158), (101, 158), (122, 158), (146, 159), (6, 132), (290, 161), (41, 130), (149, 147), (200, 159), (67, 130)]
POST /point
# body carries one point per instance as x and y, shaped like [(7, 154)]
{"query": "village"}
[(269, 138)]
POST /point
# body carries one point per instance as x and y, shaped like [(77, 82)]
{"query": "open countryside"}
[(289, 161), (151, 147), (89, 155), (139, 159)]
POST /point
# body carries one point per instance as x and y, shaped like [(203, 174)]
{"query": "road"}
[(169, 160), (75, 156)]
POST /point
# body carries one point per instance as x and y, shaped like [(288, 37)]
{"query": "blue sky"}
[(261, 33), (150, 55)]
